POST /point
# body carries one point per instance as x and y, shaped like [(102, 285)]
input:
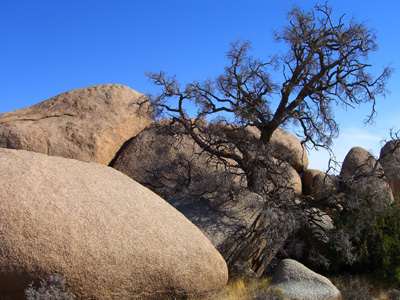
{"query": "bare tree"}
[(326, 65)]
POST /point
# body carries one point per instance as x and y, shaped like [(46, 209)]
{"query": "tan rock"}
[(308, 181), (285, 176), (168, 161), (390, 160), (318, 184), (366, 174), (359, 161), (109, 236), (288, 147), (285, 146), (319, 224), (88, 124)]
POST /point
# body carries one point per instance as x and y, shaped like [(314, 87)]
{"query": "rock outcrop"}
[(242, 229), (168, 161), (390, 160), (286, 176), (319, 225), (109, 236), (288, 147), (88, 124), (365, 176), (296, 281), (318, 184), (285, 146), (359, 161)]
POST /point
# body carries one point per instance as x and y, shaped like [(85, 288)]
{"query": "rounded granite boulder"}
[(109, 236), (88, 124), (296, 281)]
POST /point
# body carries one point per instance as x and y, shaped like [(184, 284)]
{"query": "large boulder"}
[(285, 146), (359, 161), (315, 236), (318, 184), (364, 175), (109, 236), (286, 176), (88, 124), (288, 147), (169, 162), (390, 160), (242, 228), (295, 281)]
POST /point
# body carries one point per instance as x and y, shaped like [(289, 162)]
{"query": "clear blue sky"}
[(48, 47)]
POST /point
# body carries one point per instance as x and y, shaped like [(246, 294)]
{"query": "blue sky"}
[(52, 46)]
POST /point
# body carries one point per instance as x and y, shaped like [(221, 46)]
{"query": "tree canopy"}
[(326, 65)]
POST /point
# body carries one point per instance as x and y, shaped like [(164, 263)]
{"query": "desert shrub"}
[(243, 289), (269, 294), (353, 288), (368, 241), (394, 294), (53, 289)]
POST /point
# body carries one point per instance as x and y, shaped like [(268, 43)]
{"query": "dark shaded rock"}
[(242, 229), (166, 160), (318, 184)]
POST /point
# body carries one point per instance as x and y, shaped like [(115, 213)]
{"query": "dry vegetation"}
[(240, 288), (351, 287)]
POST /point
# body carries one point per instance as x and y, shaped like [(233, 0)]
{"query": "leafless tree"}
[(326, 65)]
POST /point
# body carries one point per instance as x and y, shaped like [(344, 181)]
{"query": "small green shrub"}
[(53, 289), (367, 241)]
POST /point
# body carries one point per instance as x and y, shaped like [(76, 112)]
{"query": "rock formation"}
[(296, 281), (109, 236), (241, 228), (390, 160), (166, 160), (318, 184), (364, 175), (114, 239), (359, 161), (286, 146), (88, 124), (170, 163)]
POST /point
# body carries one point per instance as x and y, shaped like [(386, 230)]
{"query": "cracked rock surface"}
[(88, 124)]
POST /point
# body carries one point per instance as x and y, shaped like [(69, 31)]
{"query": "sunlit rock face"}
[(88, 124), (109, 236)]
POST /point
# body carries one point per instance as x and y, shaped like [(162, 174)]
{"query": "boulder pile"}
[(127, 208)]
